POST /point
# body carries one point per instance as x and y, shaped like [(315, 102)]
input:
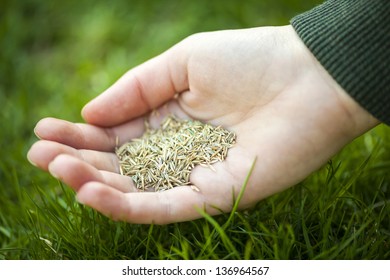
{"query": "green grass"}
[(56, 55)]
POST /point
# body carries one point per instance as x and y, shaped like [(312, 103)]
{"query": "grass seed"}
[(164, 157)]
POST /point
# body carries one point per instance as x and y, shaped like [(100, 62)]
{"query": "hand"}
[(261, 83)]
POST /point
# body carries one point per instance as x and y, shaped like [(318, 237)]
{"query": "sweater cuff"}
[(351, 39)]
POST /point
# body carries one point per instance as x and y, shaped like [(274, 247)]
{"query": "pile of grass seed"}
[(163, 158)]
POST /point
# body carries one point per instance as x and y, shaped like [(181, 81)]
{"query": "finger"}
[(141, 89), (75, 173), (85, 136), (119, 182), (43, 152), (175, 205)]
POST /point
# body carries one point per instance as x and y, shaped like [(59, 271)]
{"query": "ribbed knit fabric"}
[(351, 39)]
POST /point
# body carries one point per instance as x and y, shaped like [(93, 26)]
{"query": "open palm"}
[(261, 83)]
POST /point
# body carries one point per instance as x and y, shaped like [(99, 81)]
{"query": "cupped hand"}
[(261, 83)]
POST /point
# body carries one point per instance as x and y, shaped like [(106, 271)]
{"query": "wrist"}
[(345, 111), (350, 40), (360, 119)]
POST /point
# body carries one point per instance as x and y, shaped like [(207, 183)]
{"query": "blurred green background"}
[(57, 55)]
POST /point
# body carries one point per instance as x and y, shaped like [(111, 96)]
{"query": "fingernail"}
[(52, 172), (31, 161), (36, 133), (79, 200)]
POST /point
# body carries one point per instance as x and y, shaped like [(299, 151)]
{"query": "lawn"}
[(57, 55)]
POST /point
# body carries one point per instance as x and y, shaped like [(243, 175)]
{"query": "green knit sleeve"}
[(351, 39)]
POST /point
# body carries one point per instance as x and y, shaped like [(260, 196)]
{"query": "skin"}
[(262, 83)]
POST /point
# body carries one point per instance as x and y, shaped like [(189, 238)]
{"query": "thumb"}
[(140, 90)]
